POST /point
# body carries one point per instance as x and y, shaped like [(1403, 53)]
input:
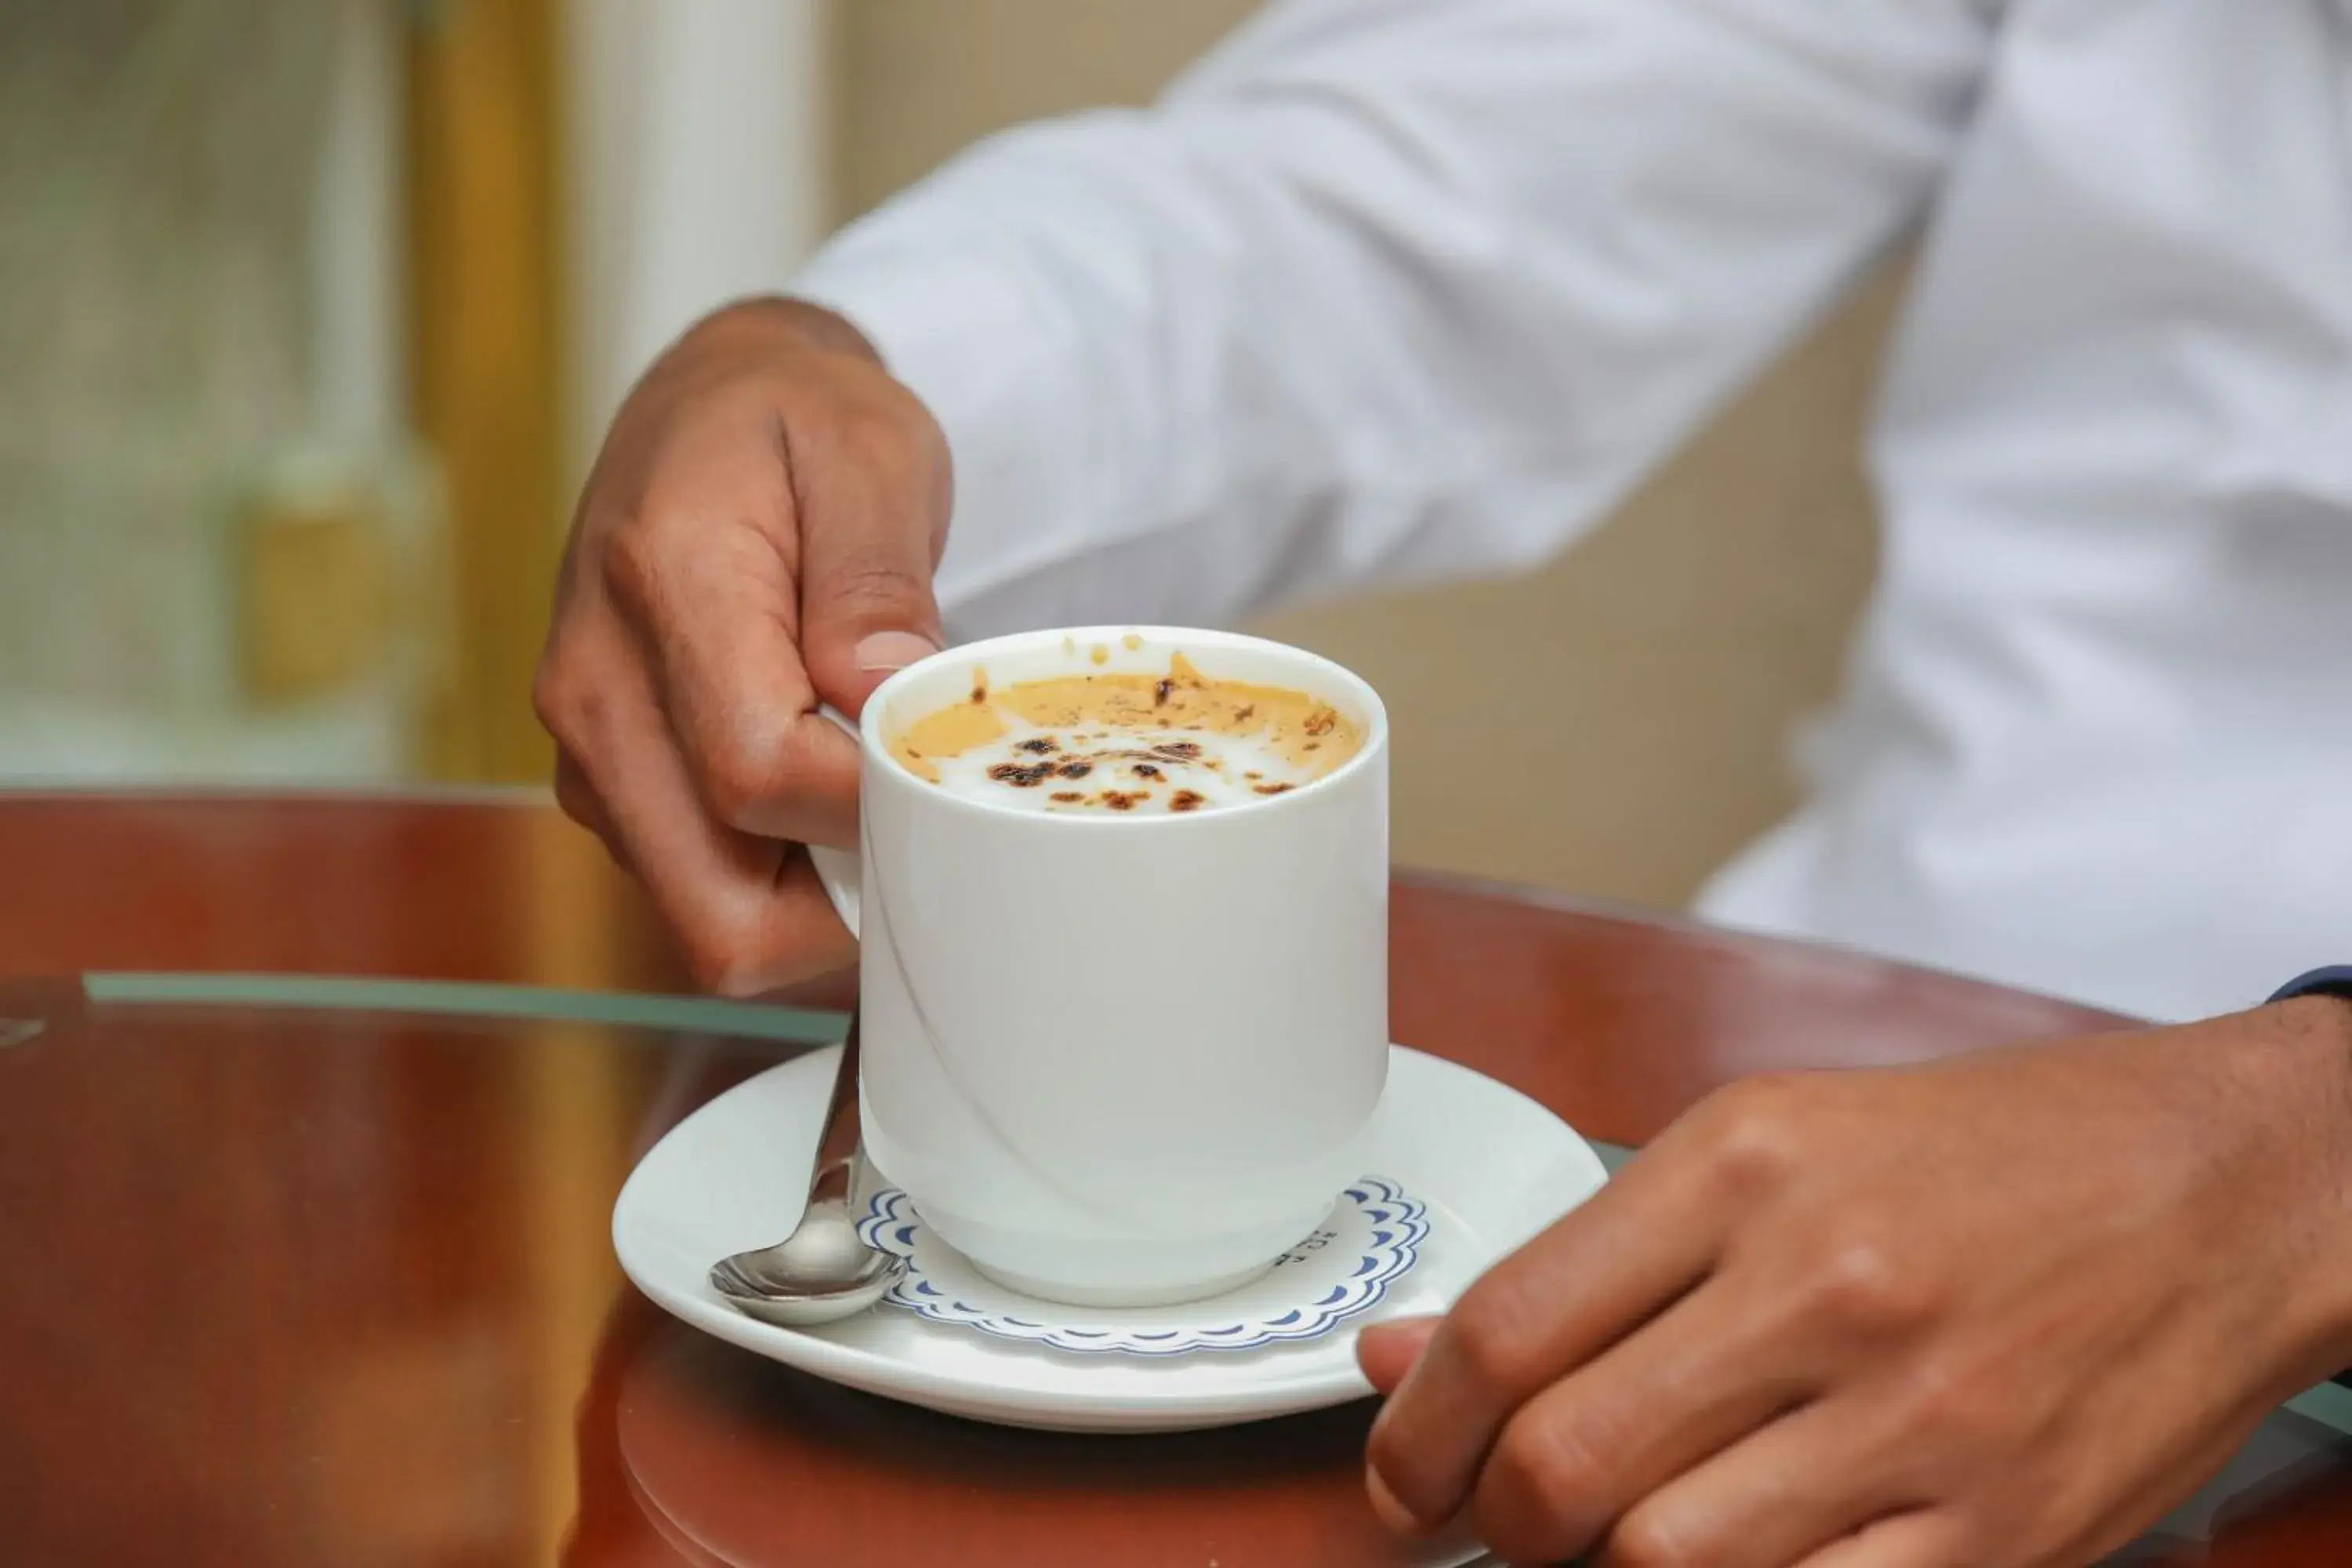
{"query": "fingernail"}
[(1419, 1327), (893, 650), (1391, 1512)]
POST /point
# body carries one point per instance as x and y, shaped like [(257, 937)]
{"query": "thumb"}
[(1387, 1351), (873, 521)]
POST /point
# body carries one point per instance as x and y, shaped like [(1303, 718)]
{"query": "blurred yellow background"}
[(310, 312)]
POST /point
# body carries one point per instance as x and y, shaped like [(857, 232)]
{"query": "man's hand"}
[(758, 536), (2003, 1311)]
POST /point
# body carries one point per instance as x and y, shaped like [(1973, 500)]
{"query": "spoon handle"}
[(834, 1173)]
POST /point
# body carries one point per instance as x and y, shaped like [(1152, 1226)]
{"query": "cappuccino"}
[(1127, 743)]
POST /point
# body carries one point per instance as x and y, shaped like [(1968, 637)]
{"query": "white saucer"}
[(1491, 1166)]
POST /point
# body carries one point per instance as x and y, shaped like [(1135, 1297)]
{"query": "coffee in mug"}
[(1123, 1046), (1155, 742)]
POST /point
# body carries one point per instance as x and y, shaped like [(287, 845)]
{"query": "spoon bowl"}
[(820, 1273), (824, 1270)]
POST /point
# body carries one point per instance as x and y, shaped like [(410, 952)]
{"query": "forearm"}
[(1383, 292)]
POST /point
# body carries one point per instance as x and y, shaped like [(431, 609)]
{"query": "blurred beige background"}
[(1668, 655), (292, 516)]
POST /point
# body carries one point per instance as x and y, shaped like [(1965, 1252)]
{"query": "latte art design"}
[(1104, 771), (1127, 744)]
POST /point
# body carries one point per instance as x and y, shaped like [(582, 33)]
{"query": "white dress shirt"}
[(1393, 289)]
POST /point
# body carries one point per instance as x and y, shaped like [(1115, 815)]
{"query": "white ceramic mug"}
[(1120, 1060)]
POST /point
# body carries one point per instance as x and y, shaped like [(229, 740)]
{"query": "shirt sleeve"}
[(1386, 290)]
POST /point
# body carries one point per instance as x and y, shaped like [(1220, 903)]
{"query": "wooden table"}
[(322, 1276)]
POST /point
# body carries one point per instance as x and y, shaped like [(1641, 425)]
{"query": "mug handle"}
[(838, 870)]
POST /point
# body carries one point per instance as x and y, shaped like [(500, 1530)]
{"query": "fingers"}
[(706, 573), (579, 803), (1387, 1351), (1706, 1374), (748, 912), (871, 479), (1810, 1478), (768, 488), (1929, 1539), (1554, 1305)]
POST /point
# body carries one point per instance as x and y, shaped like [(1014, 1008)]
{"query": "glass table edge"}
[(467, 999), (2329, 1404)]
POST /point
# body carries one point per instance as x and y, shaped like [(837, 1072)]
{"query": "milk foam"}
[(1122, 769), (1127, 741)]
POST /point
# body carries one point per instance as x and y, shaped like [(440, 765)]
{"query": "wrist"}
[(2299, 1052)]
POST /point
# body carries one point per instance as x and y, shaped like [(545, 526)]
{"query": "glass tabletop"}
[(319, 1270)]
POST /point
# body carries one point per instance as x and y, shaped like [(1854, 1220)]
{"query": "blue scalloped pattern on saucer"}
[(1372, 1238)]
